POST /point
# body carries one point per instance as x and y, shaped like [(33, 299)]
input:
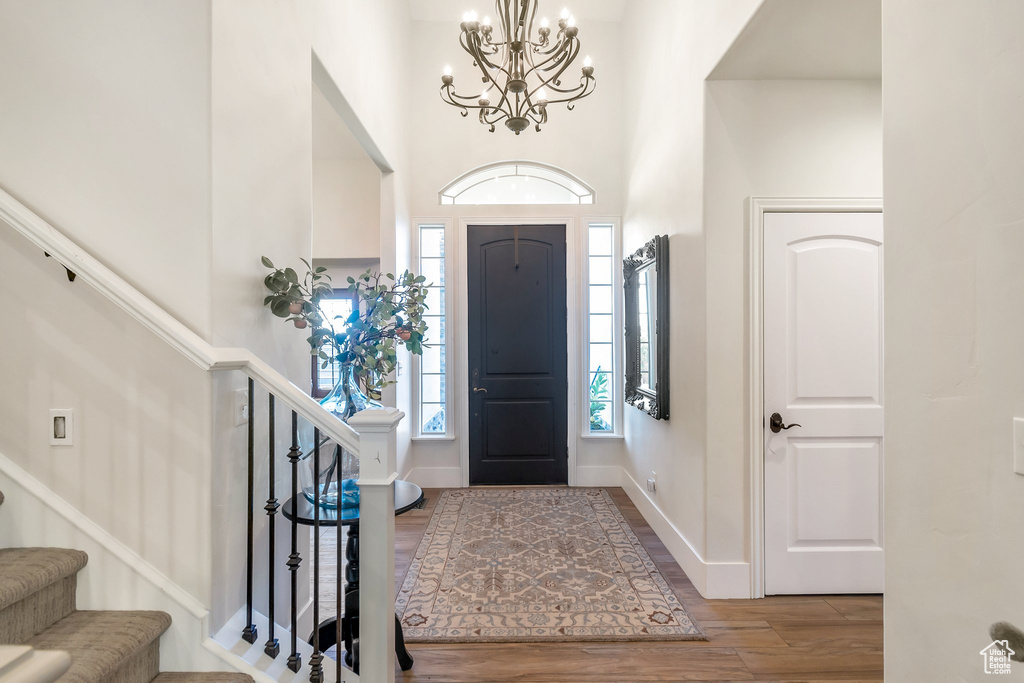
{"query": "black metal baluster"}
[(249, 633), (272, 648), (295, 659), (316, 669), (338, 589)]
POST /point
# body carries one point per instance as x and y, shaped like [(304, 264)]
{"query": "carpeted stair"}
[(37, 608)]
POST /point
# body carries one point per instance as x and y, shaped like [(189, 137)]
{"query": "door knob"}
[(478, 390), (775, 423)]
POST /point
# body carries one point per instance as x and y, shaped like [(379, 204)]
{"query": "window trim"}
[(417, 403), (449, 194), (314, 361), (617, 327)]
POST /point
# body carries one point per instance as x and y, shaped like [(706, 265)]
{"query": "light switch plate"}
[(62, 427), (1018, 445)]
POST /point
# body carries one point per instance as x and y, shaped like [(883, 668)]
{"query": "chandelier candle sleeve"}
[(523, 66)]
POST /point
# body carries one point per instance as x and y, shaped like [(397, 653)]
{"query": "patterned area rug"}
[(548, 564)]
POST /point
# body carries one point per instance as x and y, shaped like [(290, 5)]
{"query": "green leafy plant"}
[(598, 392), (389, 314)]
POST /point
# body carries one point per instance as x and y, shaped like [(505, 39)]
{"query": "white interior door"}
[(823, 372)]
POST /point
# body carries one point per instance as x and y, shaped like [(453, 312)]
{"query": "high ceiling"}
[(808, 39), (451, 10)]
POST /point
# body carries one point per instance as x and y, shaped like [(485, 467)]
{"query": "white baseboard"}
[(599, 475), (435, 477), (711, 579)]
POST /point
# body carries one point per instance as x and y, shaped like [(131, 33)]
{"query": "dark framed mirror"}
[(645, 279)]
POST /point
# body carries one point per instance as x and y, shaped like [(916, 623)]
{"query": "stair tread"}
[(189, 677), (24, 571), (99, 642)]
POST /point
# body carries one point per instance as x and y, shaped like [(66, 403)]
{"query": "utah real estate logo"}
[(997, 657)]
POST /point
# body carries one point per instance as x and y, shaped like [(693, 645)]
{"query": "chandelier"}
[(522, 69)]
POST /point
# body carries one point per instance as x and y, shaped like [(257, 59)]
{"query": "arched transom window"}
[(517, 182)]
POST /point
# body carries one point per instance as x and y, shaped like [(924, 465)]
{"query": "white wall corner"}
[(687, 558), (713, 580), (435, 477), (599, 475)]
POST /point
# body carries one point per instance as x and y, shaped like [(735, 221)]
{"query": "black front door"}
[(518, 431)]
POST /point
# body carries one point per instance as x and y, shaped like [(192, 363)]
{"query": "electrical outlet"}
[(62, 427), (241, 407), (1018, 445), (652, 482)]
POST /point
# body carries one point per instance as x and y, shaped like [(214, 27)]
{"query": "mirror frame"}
[(654, 403)]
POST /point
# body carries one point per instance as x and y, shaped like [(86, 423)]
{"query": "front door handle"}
[(775, 423), (476, 381)]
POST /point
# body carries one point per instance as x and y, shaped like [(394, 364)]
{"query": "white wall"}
[(664, 195), (139, 466), (346, 209), (953, 85), (104, 131), (788, 138), (172, 140), (586, 142), (263, 84)]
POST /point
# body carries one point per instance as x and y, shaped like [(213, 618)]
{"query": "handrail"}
[(189, 344)]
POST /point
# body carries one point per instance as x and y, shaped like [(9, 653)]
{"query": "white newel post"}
[(378, 464)]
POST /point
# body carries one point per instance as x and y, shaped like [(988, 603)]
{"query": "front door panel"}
[(517, 355)]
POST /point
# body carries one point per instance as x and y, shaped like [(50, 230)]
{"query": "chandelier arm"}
[(585, 89), (554, 59), (482, 61), (557, 45), (455, 96), (562, 65)]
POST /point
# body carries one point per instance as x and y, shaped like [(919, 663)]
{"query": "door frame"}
[(757, 207), (462, 326)]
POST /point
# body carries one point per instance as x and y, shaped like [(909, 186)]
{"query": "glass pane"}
[(645, 327), (600, 386), (600, 416), (433, 418), (435, 300), (433, 270), (601, 328), (431, 242), (600, 357), (435, 333), (433, 359), (600, 299), (600, 270), (336, 307), (645, 356), (516, 190), (327, 377), (600, 240), (433, 389)]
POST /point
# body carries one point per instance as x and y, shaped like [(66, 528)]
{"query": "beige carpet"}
[(543, 564)]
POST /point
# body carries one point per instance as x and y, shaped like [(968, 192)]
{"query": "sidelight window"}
[(432, 367), (603, 331)]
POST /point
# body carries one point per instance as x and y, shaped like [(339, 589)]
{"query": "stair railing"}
[(370, 435)]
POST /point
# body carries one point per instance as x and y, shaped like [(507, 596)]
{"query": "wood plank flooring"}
[(792, 638)]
